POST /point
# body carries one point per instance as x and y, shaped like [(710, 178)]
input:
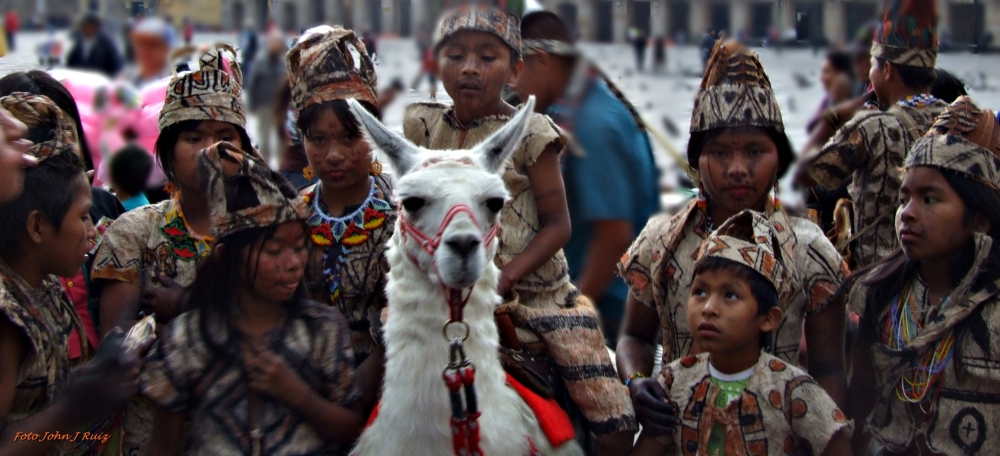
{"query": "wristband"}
[(634, 376)]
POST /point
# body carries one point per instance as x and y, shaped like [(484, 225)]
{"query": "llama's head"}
[(450, 199)]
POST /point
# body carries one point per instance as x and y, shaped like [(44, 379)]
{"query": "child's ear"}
[(217, 251), (515, 71), (37, 226), (772, 318)]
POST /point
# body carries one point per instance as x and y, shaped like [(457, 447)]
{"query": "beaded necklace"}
[(918, 101), (902, 326), (184, 243), (338, 234)]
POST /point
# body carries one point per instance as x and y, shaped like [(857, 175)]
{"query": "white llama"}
[(454, 197)]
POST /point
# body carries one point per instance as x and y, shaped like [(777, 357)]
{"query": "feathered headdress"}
[(963, 139)]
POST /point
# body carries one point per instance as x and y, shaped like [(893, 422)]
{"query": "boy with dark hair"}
[(130, 169), (611, 176), (45, 232), (734, 398), (871, 145), (478, 52)]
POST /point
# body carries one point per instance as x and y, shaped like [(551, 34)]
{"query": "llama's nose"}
[(462, 245)]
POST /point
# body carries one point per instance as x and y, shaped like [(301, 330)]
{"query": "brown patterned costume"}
[(44, 315), (156, 239), (782, 410), (964, 415), (659, 266), (873, 144), (347, 275), (659, 269), (184, 374)]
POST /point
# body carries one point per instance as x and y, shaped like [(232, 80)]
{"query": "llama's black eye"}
[(494, 204), (413, 204)]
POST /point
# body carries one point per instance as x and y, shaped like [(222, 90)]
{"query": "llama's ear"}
[(402, 154), (495, 150)]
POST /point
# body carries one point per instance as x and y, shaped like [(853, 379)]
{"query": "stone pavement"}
[(665, 100)]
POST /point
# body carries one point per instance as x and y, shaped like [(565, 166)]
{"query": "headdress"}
[(964, 139), (321, 68), (214, 91), (38, 111), (907, 34), (480, 18), (748, 239), (266, 197)]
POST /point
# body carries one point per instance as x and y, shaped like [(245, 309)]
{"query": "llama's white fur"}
[(414, 413)]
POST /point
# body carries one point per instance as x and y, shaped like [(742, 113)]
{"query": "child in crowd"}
[(477, 53), (925, 379), (149, 254), (735, 398), (255, 367), (130, 169), (45, 232)]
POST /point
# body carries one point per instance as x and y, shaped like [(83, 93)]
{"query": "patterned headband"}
[(275, 200), (748, 239), (212, 92), (554, 47), (961, 139), (321, 68), (479, 18), (38, 111)]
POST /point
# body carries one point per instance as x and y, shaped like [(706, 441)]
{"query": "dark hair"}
[(913, 77), (897, 270), (130, 169), (309, 115), (763, 292), (842, 62), (699, 140), (38, 82), (215, 287), (168, 139), (947, 87), (545, 25), (49, 189)]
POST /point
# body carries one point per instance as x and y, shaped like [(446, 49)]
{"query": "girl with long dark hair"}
[(926, 378), (149, 254), (255, 367), (350, 214)]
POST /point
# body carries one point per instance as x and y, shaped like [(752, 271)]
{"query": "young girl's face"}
[(281, 263), (929, 221), (65, 250), (738, 168), (339, 155), (189, 143), (722, 313), (474, 68)]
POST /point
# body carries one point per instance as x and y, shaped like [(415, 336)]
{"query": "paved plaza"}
[(664, 100)]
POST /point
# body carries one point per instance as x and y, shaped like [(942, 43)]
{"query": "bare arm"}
[(168, 431), (119, 305), (636, 345), (334, 422), (648, 445), (553, 215), (611, 239), (368, 378), (863, 391), (839, 445), (825, 339)]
